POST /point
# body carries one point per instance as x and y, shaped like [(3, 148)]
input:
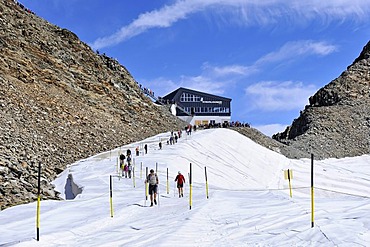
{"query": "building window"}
[(187, 109), (193, 110), (187, 97)]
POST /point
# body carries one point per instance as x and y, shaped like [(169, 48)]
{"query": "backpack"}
[(152, 179)]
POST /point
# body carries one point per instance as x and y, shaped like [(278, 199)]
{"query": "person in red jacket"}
[(180, 184)]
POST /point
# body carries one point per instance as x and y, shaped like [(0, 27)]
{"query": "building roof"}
[(182, 89)]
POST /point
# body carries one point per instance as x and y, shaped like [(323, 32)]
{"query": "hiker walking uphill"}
[(152, 180), (129, 165), (122, 163), (180, 184), (121, 159)]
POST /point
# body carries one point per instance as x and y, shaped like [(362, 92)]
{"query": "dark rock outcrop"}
[(336, 123)]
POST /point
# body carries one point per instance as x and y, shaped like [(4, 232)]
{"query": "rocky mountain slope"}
[(61, 102), (272, 144), (336, 123)]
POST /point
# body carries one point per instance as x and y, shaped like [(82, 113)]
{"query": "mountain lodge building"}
[(198, 108)]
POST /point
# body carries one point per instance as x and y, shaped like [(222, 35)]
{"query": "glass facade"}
[(187, 97), (207, 109), (197, 104)]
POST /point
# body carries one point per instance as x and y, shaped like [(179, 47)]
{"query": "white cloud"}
[(267, 96), (212, 79), (161, 18), (297, 49), (279, 96), (163, 86), (246, 12), (229, 70), (204, 84)]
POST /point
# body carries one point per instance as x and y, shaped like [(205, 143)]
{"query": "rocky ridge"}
[(61, 102), (271, 144), (336, 123)]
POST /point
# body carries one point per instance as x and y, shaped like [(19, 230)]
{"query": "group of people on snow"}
[(126, 166), (126, 161), (173, 138), (152, 178), (153, 181)]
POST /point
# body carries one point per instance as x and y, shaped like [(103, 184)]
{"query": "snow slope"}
[(248, 204)]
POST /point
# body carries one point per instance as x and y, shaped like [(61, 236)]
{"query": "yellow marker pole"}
[(38, 205), (205, 171), (38, 217), (168, 183), (190, 189), (312, 195), (111, 196)]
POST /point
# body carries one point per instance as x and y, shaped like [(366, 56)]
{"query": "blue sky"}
[(268, 56)]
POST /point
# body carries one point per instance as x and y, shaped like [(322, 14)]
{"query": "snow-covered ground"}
[(248, 205)]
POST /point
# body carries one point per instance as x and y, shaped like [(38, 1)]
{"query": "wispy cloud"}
[(270, 95), (279, 96), (205, 84), (297, 49), (161, 18), (246, 12), (229, 70), (201, 83)]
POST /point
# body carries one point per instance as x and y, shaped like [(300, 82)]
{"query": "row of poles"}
[(167, 186), (146, 193)]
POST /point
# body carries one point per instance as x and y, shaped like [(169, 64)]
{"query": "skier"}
[(146, 148), (160, 145), (137, 151), (180, 184), (153, 181)]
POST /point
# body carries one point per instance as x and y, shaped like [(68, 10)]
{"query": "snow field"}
[(248, 205)]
